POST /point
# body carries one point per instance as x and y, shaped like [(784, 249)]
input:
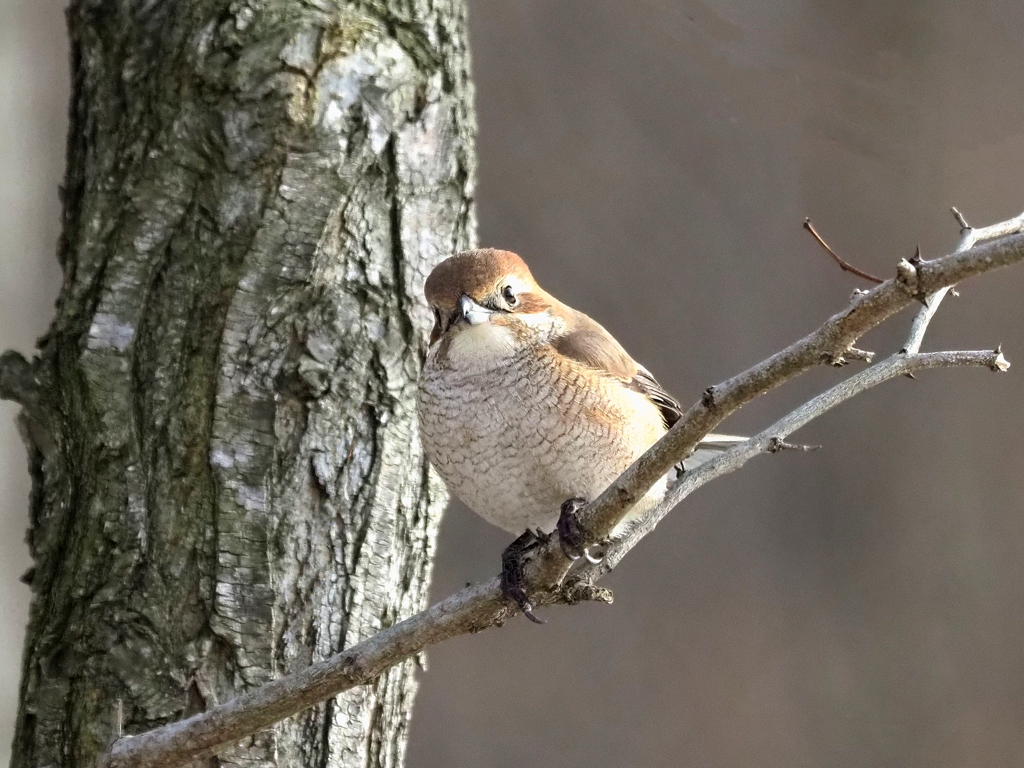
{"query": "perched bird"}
[(528, 408)]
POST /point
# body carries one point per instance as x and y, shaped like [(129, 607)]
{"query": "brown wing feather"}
[(593, 346), (647, 385), (589, 343)]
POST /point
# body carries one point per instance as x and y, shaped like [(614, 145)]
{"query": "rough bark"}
[(228, 484)]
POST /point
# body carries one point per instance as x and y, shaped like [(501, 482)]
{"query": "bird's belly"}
[(513, 450)]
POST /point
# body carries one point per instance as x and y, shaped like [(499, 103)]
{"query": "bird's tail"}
[(708, 448)]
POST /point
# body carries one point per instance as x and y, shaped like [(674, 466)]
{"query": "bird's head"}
[(489, 299)]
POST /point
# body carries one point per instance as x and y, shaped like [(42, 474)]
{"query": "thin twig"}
[(959, 218), (843, 264), (481, 606)]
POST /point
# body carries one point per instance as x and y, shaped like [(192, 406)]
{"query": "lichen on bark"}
[(228, 482)]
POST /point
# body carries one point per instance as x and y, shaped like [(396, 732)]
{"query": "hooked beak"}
[(473, 313)]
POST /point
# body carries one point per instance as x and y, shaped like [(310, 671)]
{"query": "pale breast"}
[(515, 441)]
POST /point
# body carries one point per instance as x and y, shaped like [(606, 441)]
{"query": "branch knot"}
[(908, 276), (576, 591), (999, 364), (18, 379), (851, 353), (708, 398), (776, 444)]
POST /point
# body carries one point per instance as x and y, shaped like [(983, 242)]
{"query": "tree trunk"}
[(228, 481)]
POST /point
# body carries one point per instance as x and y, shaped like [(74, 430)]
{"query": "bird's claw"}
[(570, 533), (512, 576)]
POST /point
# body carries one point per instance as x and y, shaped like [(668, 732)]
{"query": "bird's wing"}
[(710, 447), (587, 342)]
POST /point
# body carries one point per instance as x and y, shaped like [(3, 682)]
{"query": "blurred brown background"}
[(653, 161)]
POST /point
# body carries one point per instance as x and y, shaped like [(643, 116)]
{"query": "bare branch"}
[(829, 341), (768, 440), (481, 606)]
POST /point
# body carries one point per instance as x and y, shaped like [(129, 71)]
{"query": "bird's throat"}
[(480, 348)]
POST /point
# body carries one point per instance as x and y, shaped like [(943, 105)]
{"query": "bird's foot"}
[(513, 578), (570, 533)]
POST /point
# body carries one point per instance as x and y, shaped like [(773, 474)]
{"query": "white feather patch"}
[(480, 348)]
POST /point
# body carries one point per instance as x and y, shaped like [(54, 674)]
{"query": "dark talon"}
[(512, 577), (570, 534), (528, 613)]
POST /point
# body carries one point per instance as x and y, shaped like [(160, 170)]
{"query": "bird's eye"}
[(509, 295)]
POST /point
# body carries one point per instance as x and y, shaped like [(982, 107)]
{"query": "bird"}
[(528, 408)]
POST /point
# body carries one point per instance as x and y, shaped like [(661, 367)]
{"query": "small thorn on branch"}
[(959, 219), (777, 444), (844, 265)]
